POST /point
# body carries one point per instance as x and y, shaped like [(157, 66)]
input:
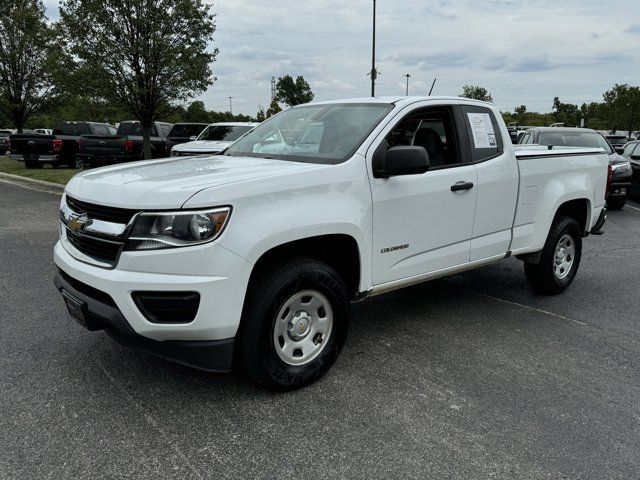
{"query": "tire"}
[(30, 164), (80, 164), (304, 297), (549, 276), (616, 204)]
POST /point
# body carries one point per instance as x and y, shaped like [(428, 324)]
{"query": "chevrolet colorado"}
[(252, 257)]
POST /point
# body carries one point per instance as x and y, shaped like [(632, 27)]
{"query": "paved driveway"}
[(472, 376)]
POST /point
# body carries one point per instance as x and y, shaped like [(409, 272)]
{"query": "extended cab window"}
[(432, 129), (484, 133)]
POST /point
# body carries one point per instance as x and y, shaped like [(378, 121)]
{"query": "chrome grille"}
[(100, 237), (99, 249), (100, 212)]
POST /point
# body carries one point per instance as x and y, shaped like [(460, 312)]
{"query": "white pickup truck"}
[(251, 258)]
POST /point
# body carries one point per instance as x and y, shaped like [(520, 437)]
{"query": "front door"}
[(424, 223)]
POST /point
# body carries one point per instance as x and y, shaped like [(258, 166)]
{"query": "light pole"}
[(374, 72), (408, 75), (230, 106)]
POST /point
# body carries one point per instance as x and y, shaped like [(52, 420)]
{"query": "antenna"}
[(432, 85)]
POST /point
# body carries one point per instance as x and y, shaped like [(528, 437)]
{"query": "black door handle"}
[(458, 187)]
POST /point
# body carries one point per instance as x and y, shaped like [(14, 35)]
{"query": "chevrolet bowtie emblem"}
[(78, 223)]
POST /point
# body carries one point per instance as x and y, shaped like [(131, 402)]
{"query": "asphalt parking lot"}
[(472, 376)]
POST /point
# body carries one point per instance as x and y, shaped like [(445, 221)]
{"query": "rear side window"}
[(485, 138), (71, 128), (134, 128)]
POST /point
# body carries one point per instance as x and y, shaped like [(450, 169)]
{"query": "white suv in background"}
[(213, 139)]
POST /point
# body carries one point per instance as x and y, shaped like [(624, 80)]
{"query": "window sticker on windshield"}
[(484, 136)]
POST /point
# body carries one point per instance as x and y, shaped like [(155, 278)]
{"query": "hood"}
[(202, 146), (169, 183)]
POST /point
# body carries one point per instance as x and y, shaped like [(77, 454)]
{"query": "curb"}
[(32, 181)]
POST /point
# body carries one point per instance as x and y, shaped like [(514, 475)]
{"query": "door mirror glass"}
[(402, 160)]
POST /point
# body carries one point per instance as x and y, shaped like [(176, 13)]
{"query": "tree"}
[(566, 113), (196, 112), (274, 108), (622, 108), (144, 54), (477, 93), (520, 114), (261, 116), (293, 92), (27, 61)]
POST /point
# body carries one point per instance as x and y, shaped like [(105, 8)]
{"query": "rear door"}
[(420, 224), (498, 177)]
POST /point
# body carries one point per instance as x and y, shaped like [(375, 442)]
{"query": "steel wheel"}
[(564, 256), (302, 327)]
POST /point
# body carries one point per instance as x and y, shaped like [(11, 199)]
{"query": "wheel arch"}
[(340, 251)]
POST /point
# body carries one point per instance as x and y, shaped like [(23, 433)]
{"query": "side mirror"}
[(397, 161), (192, 137)]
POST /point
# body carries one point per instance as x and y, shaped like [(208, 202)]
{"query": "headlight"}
[(151, 231)]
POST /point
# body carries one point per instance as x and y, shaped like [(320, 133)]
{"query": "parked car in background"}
[(183, 133), (617, 142), (43, 131), (57, 149), (631, 152), (584, 137), (125, 146), (213, 139), (4, 140)]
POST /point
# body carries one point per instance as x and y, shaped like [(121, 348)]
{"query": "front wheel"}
[(80, 164), (559, 260), (294, 324)]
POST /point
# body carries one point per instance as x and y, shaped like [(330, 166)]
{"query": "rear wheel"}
[(559, 260), (294, 325)]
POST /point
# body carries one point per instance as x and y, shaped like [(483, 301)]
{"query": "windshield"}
[(223, 133), (313, 133), (186, 131), (575, 139)]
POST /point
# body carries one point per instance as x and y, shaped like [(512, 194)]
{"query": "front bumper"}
[(101, 313), (219, 276)]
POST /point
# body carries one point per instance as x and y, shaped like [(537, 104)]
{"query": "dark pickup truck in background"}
[(57, 149), (183, 133), (125, 146)]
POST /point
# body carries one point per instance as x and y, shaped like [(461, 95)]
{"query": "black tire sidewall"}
[(260, 357), (563, 226)]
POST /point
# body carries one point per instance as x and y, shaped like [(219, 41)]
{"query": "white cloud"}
[(524, 52)]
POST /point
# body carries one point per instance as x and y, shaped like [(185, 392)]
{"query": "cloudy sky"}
[(523, 51)]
